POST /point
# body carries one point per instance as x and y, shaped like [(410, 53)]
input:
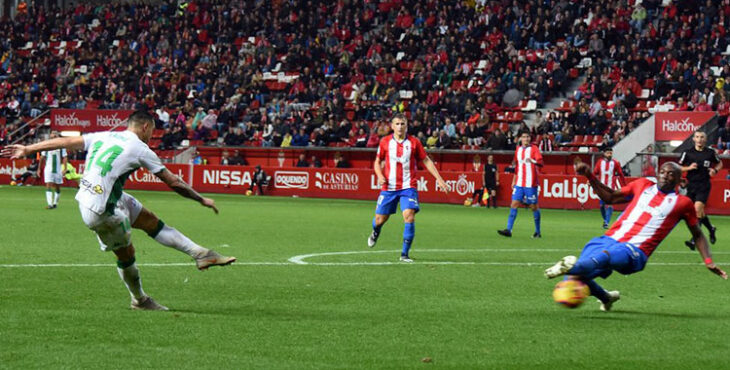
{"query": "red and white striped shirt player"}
[(650, 215), (609, 173), (397, 178), (654, 209), (401, 159), (527, 160)]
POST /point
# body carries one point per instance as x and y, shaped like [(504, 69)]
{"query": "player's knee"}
[(409, 215), (125, 254), (146, 221)]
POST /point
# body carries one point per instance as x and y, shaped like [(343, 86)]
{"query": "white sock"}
[(130, 276), (49, 197), (172, 238), (56, 195)]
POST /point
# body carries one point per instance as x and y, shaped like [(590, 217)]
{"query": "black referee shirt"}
[(705, 159), (490, 174)]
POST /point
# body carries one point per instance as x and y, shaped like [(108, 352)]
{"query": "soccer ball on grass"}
[(13, 183), (570, 293)]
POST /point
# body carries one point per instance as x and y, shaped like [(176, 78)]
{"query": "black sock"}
[(706, 221)]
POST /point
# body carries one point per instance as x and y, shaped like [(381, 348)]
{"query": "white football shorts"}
[(50, 177), (113, 231)]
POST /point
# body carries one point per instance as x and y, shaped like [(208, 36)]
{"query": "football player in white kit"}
[(111, 213), (54, 166)]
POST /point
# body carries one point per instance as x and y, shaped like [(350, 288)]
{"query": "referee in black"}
[(491, 181), (700, 163)]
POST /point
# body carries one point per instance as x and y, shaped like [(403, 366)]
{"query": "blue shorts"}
[(625, 258), (525, 195), (388, 201)]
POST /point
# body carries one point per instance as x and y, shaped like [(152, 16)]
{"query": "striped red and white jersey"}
[(401, 159), (525, 170), (650, 215), (609, 173)]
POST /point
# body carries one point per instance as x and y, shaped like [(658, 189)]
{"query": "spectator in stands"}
[(474, 135), (198, 159), (432, 140), (163, 117), (497, 141), (234, 137), (723, 137), (302, 162), (300, 138), (224, 158), (315, 162), (545, 144), (620, 113), (595, 108), (444, 141), (267, 135), (510, 140), (649, 162), (286, 140), (340, 161), (237, 159), (361, 139)]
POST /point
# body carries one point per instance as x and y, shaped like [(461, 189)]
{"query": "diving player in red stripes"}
[(654, 209), (608, 169), (400, 153), (525, 184)]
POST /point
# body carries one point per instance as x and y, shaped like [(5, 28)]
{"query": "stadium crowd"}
[(299, 73)]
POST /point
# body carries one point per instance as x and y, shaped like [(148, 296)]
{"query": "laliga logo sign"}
[(107, 120), (679, 126), (582, 192), (291, 180), (71, 120)]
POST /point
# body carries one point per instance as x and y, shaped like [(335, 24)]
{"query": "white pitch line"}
[(386, 263), (300, 260), (172, 264)]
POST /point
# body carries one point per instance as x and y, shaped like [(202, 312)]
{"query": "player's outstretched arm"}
[(431, 168), (704, 248), (606, 194), (181, 187), (16, 151), (378, 168)]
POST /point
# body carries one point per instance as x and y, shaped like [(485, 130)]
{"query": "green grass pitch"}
[(471, 300)]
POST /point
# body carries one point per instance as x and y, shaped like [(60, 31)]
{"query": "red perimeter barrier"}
[(556, 191)]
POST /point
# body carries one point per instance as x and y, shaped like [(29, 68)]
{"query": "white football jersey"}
[(53, 160), (110, 158)]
